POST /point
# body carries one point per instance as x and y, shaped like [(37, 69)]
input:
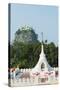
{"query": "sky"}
[(41, 18)]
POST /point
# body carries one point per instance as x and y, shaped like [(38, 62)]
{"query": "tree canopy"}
[(25, 52)]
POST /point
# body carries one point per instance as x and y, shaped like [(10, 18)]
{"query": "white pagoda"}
[(42, 64)]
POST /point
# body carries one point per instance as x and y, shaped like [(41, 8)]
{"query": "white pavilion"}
[(42, 64)]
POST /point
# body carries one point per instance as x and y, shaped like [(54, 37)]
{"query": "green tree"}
[(25, 52)]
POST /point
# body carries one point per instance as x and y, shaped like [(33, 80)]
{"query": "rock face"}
[(26, 34)]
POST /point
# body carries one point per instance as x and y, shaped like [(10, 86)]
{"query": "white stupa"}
[(42, 64)]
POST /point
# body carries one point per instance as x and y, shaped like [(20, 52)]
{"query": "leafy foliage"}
[(26, 55)]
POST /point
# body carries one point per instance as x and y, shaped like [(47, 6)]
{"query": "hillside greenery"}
[(25, 49)]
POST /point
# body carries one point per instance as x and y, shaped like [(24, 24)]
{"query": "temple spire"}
[(42, 49), (42, 36)]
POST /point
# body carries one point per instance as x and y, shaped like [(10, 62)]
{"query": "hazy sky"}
[(41, 18)]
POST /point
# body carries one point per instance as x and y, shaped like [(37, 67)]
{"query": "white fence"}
[(25, 70), (33, 80), (29, 69)]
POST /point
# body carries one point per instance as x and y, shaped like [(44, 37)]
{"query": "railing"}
[(25, 70), (32, 80)]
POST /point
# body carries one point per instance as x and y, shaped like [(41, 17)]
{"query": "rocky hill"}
[(26, 34)]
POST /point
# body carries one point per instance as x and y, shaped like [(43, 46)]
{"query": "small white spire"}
[(42, 49)]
